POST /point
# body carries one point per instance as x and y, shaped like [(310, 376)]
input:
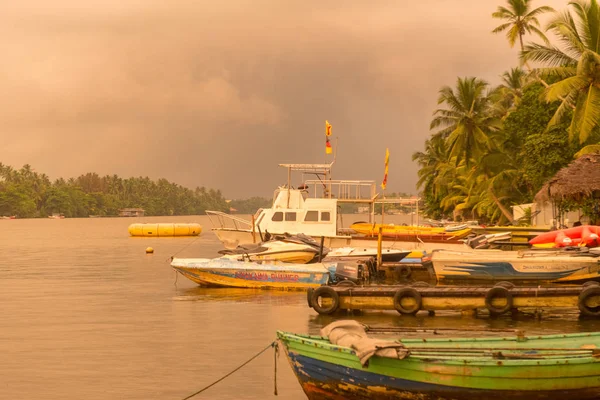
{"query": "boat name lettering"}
[(263, 276)]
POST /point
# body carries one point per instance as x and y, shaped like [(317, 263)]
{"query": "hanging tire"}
[(345, 282), (584, 296), (325, 291), (495, 293), (505, 284), (404, 271), (590, 283), (420, 284), (309, 295), (407, 293)]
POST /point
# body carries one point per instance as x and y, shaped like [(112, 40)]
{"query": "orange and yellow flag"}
[(387, 165), (328, 149)]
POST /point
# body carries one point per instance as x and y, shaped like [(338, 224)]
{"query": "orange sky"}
[(216, 95)]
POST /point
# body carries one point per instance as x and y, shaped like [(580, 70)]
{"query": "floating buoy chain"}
[(274, 345)]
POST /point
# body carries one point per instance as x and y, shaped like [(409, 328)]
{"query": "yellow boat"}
[(402, 232), (154, 230)]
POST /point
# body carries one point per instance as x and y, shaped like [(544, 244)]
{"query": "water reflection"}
[(258, 296)]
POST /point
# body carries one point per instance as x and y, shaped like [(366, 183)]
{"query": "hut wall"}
[(546, 217)]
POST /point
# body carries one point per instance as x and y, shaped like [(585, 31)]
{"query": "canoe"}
[(344, 363), (154, 230), (226, 272), (587, 232), (550, 265), (401, 232)]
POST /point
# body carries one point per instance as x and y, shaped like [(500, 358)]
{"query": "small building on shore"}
[(131, 212), (575, 188)]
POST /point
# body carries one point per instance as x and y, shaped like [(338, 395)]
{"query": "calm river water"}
[(85, 313)]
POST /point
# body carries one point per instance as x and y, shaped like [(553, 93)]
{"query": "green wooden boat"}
[(502, 368)]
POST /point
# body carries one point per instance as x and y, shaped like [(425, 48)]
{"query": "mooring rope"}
[(183, 248), (273, 345)]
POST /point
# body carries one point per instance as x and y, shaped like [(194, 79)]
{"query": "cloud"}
[(217, 94)]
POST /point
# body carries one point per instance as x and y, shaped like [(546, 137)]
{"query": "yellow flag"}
[(387, 165), (327, 128)]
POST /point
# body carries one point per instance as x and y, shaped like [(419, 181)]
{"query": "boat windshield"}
[(257, 214)]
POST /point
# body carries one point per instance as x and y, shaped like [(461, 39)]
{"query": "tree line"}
[(26, 193), (493, 147)]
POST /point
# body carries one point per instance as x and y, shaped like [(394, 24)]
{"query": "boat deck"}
[(499, 299)]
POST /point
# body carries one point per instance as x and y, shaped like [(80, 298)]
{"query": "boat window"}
[(311, 216), (325, 216), (290, 216), (278, 216)]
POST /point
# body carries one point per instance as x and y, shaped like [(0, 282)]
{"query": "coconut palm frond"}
[(589, 149), (547, 55)]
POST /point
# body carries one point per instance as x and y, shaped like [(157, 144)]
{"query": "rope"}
[(275, 357), (183, 248), (273, 344)]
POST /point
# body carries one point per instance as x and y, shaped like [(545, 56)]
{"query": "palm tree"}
[(576, 65), (467, 120), (521, 20), (507, 96)]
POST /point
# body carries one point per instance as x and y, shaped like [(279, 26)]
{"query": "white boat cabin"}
[(293, 212)]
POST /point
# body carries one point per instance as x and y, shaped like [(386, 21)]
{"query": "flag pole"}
[(382, 207)]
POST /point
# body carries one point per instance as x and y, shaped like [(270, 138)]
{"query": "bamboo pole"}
[(379, 239)]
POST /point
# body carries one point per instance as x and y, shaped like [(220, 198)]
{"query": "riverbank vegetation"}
[(493, 147), (26, 193)]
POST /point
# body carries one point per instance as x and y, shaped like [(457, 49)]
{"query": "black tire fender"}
[(590, 283), (309, 296), (405, 271), (505, 284), (325, 291), (584, 296), (496, 292), (407, 292)]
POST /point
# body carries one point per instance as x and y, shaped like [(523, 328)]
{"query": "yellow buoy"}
[(151, 230), (149, 250)]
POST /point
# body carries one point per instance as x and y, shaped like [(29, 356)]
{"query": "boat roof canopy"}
[(316, 168)]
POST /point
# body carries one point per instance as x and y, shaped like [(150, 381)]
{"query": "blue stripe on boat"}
[(339, 382)]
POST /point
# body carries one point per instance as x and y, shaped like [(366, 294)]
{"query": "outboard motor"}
[(355, 272)]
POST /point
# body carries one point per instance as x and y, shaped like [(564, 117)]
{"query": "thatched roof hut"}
[(576, 181)]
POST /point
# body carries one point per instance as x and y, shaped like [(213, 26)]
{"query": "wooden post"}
[(379, 239), (321, 248), (253, 231)]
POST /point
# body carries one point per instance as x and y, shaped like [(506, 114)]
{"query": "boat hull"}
[(491, 266), (329, 372), (227, 273), (326, 381), (410, 233)]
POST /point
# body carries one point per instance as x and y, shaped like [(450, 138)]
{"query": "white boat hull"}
[(225, 272), (496, 265)]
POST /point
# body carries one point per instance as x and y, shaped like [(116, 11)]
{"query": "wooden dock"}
[(502, 298)]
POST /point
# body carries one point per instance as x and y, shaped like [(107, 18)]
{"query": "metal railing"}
[(227, 221), (343, 190)]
